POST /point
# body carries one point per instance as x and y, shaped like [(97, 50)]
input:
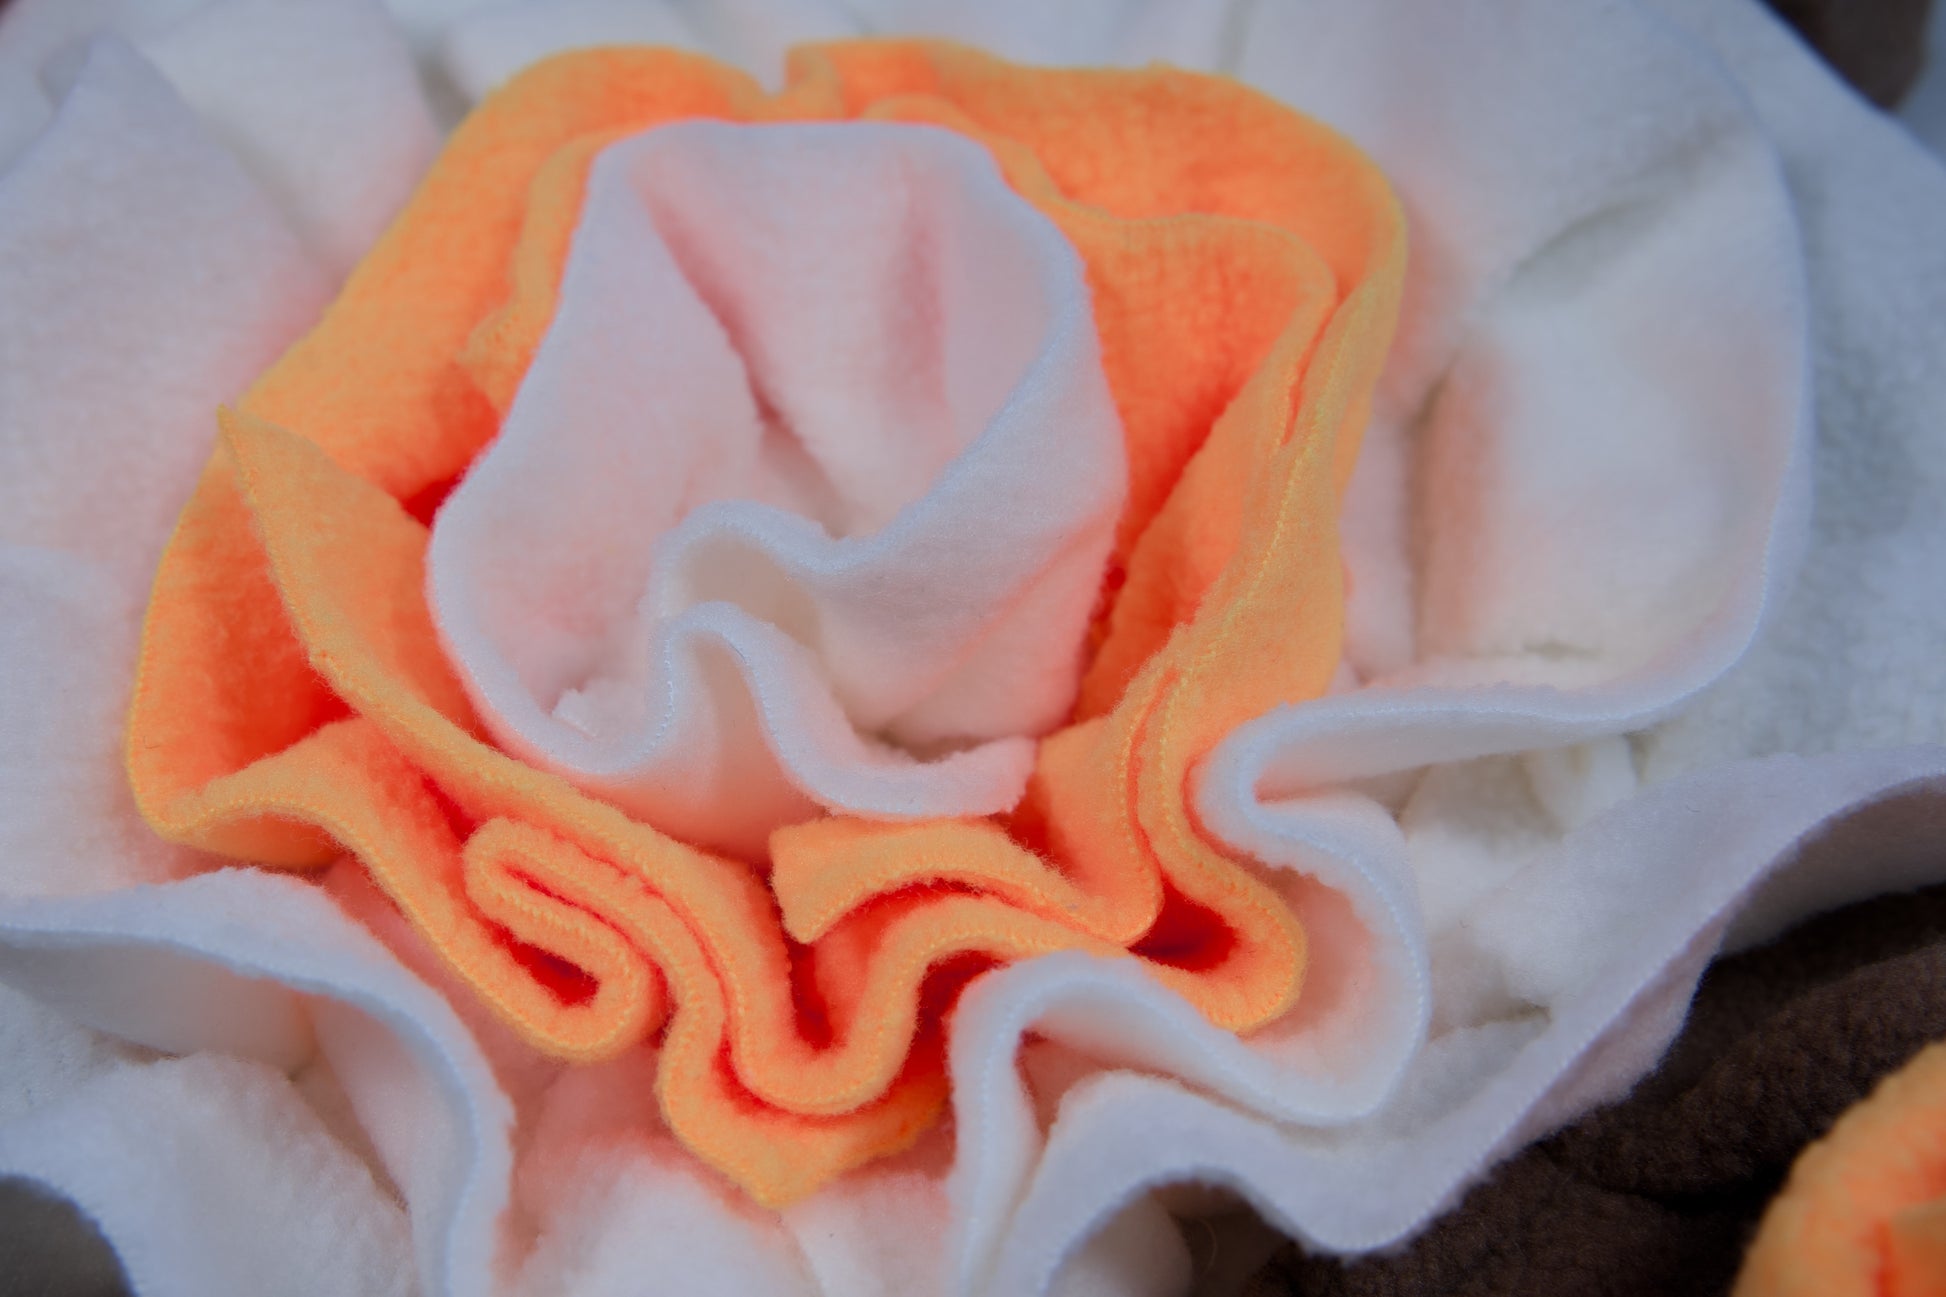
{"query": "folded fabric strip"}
[(1661, 1192), (252, 978)]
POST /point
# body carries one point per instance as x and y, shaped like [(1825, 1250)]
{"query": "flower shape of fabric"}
[(1586, 584), (741, 648)]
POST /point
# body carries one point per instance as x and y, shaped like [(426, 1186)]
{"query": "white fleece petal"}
[(48, 1054), (267, 968), (146, 279), (320, 99), (487, 47), (1335, 1059), (617, 1197), (1585, 549), (806, 494), (211, 1177), (34, 33), (1643, 893), (1854, 658)]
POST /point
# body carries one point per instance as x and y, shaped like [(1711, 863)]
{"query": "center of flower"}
[(804, 501)]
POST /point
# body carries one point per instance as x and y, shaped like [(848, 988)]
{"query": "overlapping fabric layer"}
[(816, 469), (1576, 609), (1661, 1192), (723, 679)]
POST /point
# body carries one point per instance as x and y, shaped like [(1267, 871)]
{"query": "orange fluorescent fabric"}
[(1864, 1212), (294, 704)]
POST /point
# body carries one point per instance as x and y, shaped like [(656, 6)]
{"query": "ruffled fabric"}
[(292, 700), (1602, 899)]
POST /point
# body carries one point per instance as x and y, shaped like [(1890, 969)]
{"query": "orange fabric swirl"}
[(293, 702)]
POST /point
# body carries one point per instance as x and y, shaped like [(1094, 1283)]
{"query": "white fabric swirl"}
[(806, 495), (1583, 501)]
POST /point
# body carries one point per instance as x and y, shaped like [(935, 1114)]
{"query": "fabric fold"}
[(347, 726), (1482, 1085), (878, 513)]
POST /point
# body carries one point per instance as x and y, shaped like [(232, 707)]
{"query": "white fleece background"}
[(1543, 811)]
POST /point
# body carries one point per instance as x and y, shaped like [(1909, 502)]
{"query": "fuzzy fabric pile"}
[(620, 656)]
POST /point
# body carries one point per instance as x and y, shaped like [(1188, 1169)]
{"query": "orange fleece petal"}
[(1864, 1211), (293, 700)]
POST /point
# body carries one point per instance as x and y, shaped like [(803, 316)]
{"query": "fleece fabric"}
[(1636, 162), (1862, 1212), (1924, 110), (1661, 1192), (1857, 184), (818, 437), (293, 699)]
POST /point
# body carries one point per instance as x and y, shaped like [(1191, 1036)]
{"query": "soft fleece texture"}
[(1844, 667), (818, 437), (1862, 1213), (292, 699), (1661, 1192)]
